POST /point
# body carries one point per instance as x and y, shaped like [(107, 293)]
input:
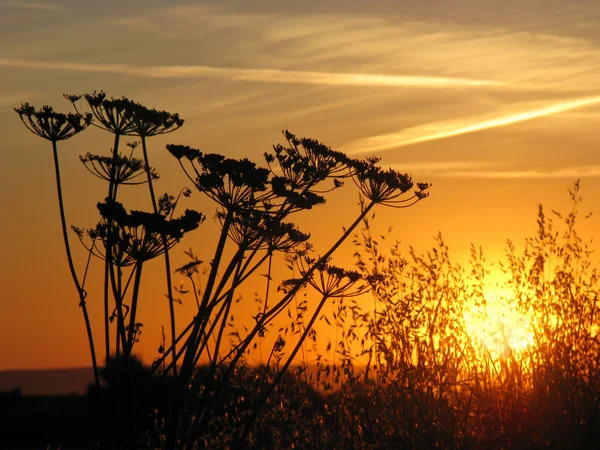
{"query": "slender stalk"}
[(246, 273), (112, 188), (113, 170), (268, 287), (167, 259), (234, 264), (118, 295), (191, 348), (171, 306), (161, 360), (106, 310), (80, 290), (223, 312), (284, 369), (228, 302), (132, 314), (266, 319), (283, 302), (112, 193), (148, 175), (177, 399), (205, 313)]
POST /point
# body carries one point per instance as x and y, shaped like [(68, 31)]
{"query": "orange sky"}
[(496, 103)]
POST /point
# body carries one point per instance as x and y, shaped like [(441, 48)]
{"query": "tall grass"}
[(411, 371), (426, 359)]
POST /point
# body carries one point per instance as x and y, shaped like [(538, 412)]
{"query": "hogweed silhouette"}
[(255, 207)]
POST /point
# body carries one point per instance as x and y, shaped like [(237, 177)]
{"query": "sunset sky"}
[(495, 102)]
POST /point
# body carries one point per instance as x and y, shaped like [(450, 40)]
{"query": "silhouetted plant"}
[(254, 208), (54, 127), (121, 239), (406, 369)]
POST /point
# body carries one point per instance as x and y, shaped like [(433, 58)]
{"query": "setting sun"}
[(495, 326)]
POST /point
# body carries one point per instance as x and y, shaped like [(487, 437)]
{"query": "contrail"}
[(261, 75), (40, 6), (481, 169), (569, 173), (442, 130)]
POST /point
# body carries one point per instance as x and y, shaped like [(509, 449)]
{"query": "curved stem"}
[(80, 290), (286, 299), (131, 331), (282, 372), (269, 316)]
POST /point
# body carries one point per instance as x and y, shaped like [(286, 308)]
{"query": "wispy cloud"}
[(540, 58), (569, 173), (15, 98), (261, 75), (139, 24), (445, 129), (437, 167), (488, 169), (38, 6)]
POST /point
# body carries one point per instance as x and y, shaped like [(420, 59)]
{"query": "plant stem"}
[(193, 343), (167, 259), (112, 195), (266, 318), (280, 374), (131, 332), (80, 290)]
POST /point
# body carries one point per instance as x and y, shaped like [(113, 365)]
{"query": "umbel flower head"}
[(146, 122), (138, 234), (300, 167), (386, 187), (112, 115), (232, 183), (126, 117), (329, 281), (305, 162), (257, 229), (51, 125), (126, 169)]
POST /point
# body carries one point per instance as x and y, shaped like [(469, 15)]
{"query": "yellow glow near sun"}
[(497, 328)]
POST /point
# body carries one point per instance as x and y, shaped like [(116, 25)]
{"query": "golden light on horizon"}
[(495, 328)]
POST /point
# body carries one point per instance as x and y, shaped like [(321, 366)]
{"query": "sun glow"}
[(496, 328)]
